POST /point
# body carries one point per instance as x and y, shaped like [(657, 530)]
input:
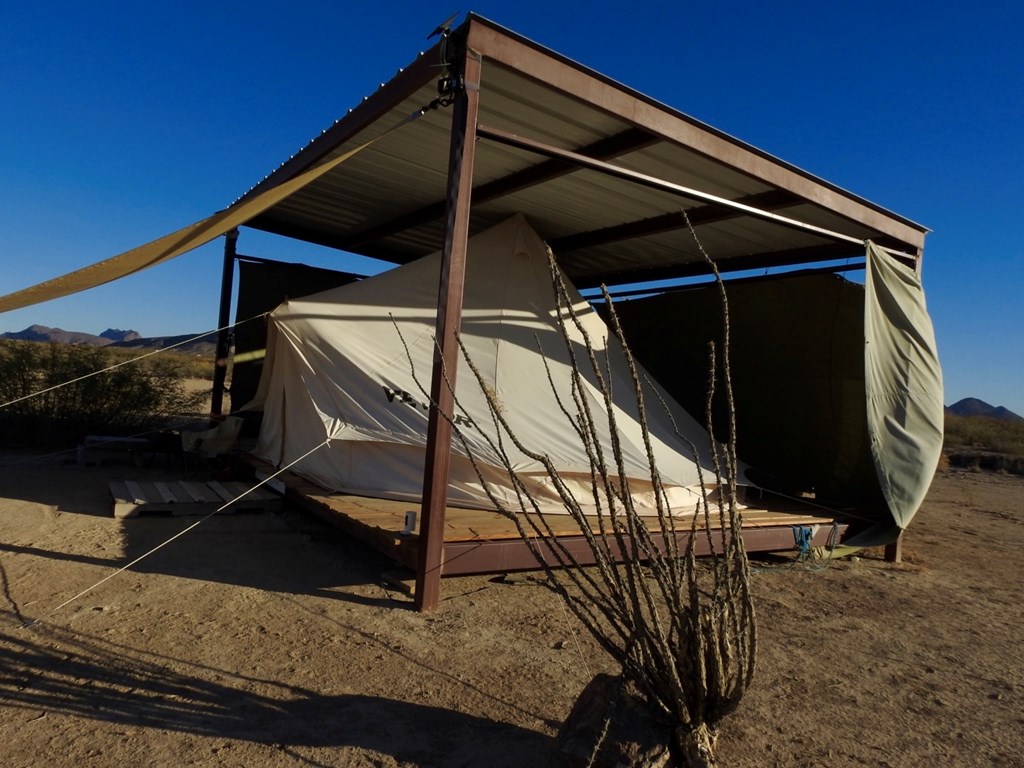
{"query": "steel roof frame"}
[(465, 53)]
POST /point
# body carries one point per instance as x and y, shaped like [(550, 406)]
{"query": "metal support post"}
[(220, 369), (449, 319)]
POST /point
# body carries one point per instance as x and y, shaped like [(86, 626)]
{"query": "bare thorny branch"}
[(683, 630)]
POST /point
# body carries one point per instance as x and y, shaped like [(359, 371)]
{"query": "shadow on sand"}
[(49, 669), (274, 542), (55, 670)]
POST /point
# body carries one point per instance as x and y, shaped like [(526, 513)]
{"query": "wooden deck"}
[(480, 541), (178, 497)]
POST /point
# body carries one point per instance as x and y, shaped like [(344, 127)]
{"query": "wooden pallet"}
[(135, 497)]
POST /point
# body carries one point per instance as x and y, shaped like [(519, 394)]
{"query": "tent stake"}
[(894, 551)]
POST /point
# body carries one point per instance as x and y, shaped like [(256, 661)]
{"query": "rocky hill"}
[(201, 346), (115, 334), (45, 333), (113, 337), (972, 406)]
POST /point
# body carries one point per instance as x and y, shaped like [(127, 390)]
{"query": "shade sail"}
[(177, 243)]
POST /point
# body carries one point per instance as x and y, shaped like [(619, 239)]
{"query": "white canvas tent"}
[(338, 367)]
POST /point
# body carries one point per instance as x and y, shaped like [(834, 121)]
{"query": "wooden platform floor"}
[(480, 541)]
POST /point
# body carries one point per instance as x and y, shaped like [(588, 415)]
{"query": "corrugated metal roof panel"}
[(388, 200)]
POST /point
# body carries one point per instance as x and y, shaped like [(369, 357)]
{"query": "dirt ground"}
[(267, 640)]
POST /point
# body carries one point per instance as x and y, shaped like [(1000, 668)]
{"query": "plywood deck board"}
[(483, 541), (480, 525), (133, 498)]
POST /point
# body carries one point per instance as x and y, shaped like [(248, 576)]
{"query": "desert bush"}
[(52, 396), (183, 364), (980, 433), (985, 461)]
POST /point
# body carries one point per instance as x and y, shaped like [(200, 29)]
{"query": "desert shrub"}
[(52, 398), (183, 364), (980, 433)]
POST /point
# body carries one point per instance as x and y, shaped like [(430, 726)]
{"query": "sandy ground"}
[(266, 640)]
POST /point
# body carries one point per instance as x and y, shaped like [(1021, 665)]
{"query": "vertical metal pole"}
[(449, 318), (220, 369), (894, 551)]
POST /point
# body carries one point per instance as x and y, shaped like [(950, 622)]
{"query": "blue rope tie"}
[(802, 536)]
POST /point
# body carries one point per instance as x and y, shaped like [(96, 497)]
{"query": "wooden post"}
[(894, 551), (449, 319), (220, 367)]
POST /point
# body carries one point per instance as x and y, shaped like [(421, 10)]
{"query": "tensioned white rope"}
[(128, 362), (179, 534), (575, 637), (568, 618)]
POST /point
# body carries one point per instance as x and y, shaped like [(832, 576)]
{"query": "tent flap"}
[(903, 384)]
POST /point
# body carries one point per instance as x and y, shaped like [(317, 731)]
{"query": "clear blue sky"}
[(124, 121)]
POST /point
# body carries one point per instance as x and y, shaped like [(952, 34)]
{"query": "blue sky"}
[(120, 122)]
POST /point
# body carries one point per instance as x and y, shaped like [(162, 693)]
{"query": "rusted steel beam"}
[(706, 214), (334, 240), (514, 140), (555, 71), (449, 319), (835, 269), (577, 269), (220, 367), (603, 149)]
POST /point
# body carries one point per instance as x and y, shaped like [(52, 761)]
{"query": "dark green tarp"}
[(837, 386)]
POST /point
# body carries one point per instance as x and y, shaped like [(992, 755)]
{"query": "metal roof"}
[(616, 219)]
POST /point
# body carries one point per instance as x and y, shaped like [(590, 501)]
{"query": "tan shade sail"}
[(174, 244)]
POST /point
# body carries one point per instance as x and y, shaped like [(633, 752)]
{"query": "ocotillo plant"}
[(683, 630)]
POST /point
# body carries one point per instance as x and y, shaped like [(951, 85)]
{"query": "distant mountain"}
[(113, 337), (972, 406), (45, 333), (202, 345), (115, 334)]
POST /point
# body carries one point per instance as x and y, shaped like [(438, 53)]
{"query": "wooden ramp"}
[(480, 541), (133, 498)]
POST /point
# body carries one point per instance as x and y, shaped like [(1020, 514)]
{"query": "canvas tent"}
[(350, 365), (262, 285), (838, 388)]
